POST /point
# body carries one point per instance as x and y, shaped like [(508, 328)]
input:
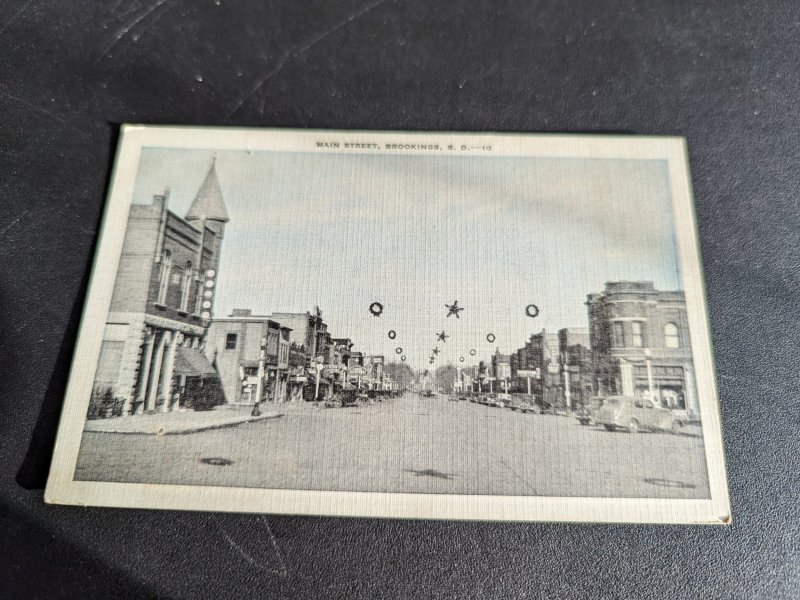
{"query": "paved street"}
[(410, 444)]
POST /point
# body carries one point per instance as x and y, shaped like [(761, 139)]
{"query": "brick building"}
[(501, 371), (162, 302), (235, 343), (640, 344), (577, 369), (536, 364)]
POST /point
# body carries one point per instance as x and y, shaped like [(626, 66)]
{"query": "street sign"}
[(333, 367), (357, 371), (528, 373)]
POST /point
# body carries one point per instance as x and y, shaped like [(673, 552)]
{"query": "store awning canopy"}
[(191, 362)]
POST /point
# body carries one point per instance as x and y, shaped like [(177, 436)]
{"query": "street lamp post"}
[(260, 383), (567, 390), (318, 367)]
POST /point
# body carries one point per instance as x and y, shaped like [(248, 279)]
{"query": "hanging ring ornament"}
[(490, 338), (376, 308), (398, 350), (532, 310), (403, 358), (461, 359), (473, 352), (392, 334)]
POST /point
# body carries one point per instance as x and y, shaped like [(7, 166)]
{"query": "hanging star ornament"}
[(436, 351), (454, 309), (442, 337)]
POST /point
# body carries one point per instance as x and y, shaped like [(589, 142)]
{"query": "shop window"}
[(671, 336), (230, 341), (638, 334), (619, 334)]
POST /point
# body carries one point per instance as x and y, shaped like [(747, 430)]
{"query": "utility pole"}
[(260, 383), (318, 366)]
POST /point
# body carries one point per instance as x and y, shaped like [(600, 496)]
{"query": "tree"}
[(401, 374), (446, 376)]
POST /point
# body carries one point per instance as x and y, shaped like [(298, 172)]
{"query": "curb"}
[(187, 430)]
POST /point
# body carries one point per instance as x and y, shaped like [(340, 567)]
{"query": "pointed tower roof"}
[(209, 204)]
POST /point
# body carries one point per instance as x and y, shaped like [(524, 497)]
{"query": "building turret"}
[(208, 214), (209, 207)]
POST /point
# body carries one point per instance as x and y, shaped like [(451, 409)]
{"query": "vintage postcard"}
[(413, 325)]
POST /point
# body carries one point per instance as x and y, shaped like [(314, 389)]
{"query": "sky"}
[(416, 233)]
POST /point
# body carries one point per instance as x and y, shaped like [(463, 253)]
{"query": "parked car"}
[(636, 414), (587, 413), (524, 404), (502, 400)]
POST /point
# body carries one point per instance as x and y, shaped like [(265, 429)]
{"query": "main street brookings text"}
[(364, 146)]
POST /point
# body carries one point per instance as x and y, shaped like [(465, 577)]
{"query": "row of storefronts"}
[(285, 357), (637, 344)]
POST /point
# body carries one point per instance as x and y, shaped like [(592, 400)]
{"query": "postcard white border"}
[(62, 489)]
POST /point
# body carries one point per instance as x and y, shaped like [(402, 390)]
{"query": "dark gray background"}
[(724, 74)]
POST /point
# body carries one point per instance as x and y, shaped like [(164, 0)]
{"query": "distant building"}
[(640, 344), (535, 366), (374, 367), (309, 331), (162, 302), (309, 334), (339, 354), (501, 371), (577, 370), (235, 343)]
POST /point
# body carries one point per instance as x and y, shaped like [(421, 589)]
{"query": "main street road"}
[(410, 444)]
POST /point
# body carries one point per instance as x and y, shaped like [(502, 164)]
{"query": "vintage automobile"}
[(502, 400), (636, 414), (524, 404), (587, 413), (493, 400)]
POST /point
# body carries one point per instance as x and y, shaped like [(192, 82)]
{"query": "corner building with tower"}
[(640, 344), (162, 303)]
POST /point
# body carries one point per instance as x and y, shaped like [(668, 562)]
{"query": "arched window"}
[(186, 290), (672, 338), (166, 271)]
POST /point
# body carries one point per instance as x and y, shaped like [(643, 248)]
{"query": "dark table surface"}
[(722, 73)]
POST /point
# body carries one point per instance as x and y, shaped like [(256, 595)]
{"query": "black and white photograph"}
[(392, 324)]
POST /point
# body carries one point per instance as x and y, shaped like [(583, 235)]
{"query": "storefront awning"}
[(191, 362)]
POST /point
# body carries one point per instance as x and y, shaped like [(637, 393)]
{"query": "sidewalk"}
[(180, 422)]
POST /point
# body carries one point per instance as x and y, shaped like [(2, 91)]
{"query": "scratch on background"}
[(126, 29), (282, 571), (294, 53)]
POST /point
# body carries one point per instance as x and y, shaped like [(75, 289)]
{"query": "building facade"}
[(640, 344), (238, 344), (162, 303), (501, 371), (535, 367), (575, 365)]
